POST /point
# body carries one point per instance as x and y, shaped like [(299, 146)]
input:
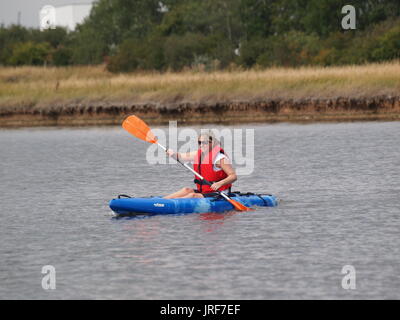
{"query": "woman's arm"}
[(225, 165), (187, 156)]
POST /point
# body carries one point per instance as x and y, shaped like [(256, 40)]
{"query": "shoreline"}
[(89, 95), (342, 109)]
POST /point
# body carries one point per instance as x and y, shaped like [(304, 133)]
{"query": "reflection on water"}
[(339, 182), (213, 221)]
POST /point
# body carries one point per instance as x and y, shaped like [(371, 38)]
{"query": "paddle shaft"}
[(195, 173)]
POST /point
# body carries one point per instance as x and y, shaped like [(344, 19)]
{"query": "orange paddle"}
[(141, 130)]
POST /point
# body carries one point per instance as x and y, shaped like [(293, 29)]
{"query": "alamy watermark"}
[(49, 280), (349, 20), (349, 280), (238, 145), (47, 18)]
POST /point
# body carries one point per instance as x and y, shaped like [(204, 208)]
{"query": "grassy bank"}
[(92, 92)]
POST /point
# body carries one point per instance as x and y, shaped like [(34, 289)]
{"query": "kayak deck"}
[(159, 205)]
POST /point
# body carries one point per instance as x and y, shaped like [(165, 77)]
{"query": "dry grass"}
[(39, 87)]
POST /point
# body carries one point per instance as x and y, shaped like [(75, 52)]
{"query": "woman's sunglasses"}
[(203, 142)]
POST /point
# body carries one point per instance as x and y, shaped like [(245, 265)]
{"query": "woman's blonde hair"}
[(210, 136)]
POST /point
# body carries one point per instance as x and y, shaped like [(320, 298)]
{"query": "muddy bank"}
[(307, 110)]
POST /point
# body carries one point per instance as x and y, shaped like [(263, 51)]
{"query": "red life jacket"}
[(205, 167)]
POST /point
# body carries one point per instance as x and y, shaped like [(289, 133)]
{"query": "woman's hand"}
[(170, 152), (216, 185)]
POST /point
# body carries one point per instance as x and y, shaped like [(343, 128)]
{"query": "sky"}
[(29, 10)]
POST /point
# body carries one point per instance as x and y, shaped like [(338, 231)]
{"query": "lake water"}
[(339, 186)]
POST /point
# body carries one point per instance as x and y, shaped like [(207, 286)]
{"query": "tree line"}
[(131, 35)]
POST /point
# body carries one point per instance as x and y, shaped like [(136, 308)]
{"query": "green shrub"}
[(251, 50), (8, 38), (61, 56), (291, 49), (389, 46), (136, 54), (180, 51), (29, 53)]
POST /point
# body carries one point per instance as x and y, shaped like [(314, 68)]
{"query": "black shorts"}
[(208, 195)]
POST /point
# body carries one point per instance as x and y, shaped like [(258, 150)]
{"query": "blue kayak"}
[(124, 206)]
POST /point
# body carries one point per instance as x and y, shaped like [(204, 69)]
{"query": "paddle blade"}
[(139, 129), (238, 206)]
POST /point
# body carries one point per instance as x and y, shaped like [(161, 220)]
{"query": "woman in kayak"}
[(209, 161)]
